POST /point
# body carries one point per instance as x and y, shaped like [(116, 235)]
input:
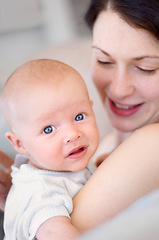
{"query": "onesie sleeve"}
[(37, 212)]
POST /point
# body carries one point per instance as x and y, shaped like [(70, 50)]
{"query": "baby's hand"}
[(5, 178)]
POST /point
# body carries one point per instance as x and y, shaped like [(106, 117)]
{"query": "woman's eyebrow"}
[(104, 52), (135, 58), (147, 56)]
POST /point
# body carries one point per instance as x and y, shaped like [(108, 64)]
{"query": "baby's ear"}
[(14, 140)]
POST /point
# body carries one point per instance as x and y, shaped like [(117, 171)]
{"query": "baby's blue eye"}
[(49, 129), (80, 117)]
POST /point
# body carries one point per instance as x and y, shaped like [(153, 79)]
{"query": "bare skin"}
[(119, 183)]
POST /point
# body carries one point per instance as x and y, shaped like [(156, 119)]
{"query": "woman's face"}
[(125, 70)]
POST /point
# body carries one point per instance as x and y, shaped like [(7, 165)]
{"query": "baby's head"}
[(47, 107)]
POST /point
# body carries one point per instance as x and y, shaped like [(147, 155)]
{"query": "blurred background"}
[(28, 26), (54, 29)]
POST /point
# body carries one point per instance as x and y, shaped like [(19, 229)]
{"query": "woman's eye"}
[(49, 129), (148, 71), (104, 62), (80, 117)]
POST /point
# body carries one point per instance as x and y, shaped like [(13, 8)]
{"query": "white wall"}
[(58, 17), (28, 26)]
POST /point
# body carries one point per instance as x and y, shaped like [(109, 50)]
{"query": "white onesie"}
[(37, 195)]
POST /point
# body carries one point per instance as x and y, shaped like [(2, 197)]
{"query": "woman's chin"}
[(124, 126)]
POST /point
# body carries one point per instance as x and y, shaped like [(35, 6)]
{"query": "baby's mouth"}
[(77, 152)]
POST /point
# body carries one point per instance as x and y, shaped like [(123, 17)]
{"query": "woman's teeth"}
[(122, 106)]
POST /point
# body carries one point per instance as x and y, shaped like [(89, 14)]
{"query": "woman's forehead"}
[(113, 34)]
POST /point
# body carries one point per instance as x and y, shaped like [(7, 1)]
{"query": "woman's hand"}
[(5, 178)]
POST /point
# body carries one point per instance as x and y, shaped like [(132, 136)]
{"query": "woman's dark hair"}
[(143, 14)]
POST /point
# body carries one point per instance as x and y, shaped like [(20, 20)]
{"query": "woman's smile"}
[(123, 109)]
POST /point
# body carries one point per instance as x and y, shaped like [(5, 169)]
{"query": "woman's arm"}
[(131, 171), (5, 178)]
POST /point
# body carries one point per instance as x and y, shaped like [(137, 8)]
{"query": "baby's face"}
[(58, 128)]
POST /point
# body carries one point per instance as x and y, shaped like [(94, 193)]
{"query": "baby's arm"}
[(57, 228), (130, 172)]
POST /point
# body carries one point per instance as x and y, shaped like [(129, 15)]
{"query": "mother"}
[(125, 70), (125, 64)]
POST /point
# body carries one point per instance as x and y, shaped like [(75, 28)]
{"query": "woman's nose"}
[(71, 135), (121, 85)]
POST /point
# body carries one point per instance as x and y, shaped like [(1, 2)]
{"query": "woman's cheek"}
[(100, 83)]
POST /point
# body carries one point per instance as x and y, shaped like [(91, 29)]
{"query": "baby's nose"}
[(73, 136)]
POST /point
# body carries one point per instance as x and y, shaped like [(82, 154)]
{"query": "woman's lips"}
[(77, 152), (123, 110)]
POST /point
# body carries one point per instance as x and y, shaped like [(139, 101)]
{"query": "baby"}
[(47, 107)]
